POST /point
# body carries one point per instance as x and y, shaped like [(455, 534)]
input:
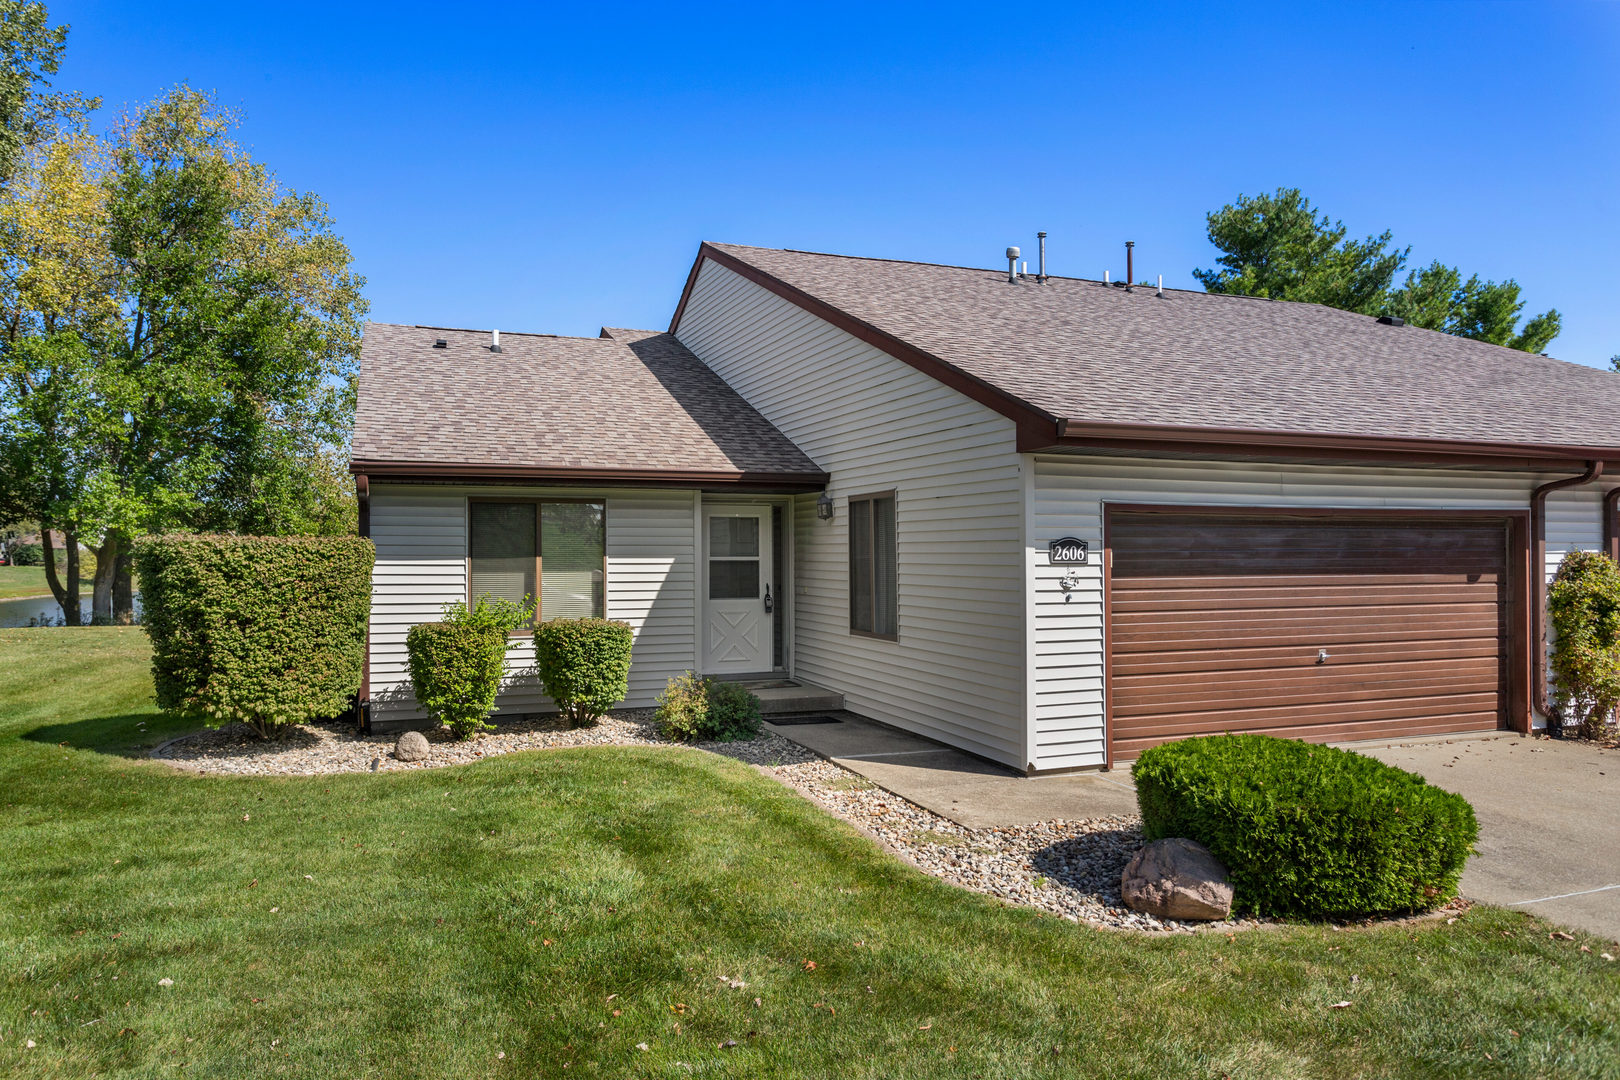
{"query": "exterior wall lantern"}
[(824, 507)]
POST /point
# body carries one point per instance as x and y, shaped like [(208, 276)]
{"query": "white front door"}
[(737, 622)]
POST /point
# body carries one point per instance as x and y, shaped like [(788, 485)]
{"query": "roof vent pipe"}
[(1040, 272), (1161, 285), (1105, 277), (494, 341), (1012, 265), (1130, 270)]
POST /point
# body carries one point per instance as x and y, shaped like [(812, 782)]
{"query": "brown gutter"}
[(1538, 579), (440, 472)]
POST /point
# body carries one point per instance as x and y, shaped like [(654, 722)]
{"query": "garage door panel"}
[(1216, 620), (1126, 747), (1345, 593), (1219, 659)]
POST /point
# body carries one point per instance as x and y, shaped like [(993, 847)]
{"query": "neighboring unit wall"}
[(1067, 642), (875, 424), (421, 538)]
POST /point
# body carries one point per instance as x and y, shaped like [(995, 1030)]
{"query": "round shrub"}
[(457, 663), (1308, 831), (28, 555), (693, 708), (270, 631), (584, 666), (1583, 606)]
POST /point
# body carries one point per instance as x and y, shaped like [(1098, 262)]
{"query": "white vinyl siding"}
[(421, 538), (875, 424), (1069, 494)]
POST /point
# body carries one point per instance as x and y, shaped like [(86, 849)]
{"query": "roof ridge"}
[(484, 330)]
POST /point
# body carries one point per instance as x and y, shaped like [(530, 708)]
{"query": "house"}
[(1050, 521)]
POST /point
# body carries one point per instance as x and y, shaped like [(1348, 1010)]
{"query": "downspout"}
[(362, 700), (1611, 535), (1538, 579)]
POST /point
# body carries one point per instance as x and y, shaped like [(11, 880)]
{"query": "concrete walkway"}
[(1549, 812), (959, 786)]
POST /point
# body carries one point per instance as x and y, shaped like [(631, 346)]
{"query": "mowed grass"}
[(561, 907), (20, 581)]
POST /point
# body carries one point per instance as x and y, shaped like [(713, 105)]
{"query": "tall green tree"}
[(217, 390), (1280, 246)]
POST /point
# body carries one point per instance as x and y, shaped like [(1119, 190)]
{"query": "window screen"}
[(873, 605), (563, 543), (503, 550), (572, 549)]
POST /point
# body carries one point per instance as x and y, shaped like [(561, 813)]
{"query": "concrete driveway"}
[(1549, 812), (1549, 822)]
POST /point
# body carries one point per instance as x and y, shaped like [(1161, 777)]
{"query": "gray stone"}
[(411, 746), (1177, 879)]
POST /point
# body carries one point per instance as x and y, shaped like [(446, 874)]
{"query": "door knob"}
[(770, 605), (1321, 656)]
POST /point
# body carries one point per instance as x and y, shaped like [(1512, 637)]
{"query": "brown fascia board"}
[(1261, 443), (442, 472), (1039, 430)]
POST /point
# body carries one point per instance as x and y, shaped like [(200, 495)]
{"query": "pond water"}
[(44, 611)]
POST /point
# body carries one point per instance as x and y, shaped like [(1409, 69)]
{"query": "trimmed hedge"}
[(457, 663), (28, 555), (584, 665), (1583, 606), (695, 708), (1308, 831), (270, 631)]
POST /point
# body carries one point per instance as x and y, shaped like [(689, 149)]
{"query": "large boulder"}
[(411, 746), (1177, 879)]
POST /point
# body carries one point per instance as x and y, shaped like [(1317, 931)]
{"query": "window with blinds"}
[(873, 605), (555, 551)]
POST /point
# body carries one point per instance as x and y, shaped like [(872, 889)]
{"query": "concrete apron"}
[(1549, 812)]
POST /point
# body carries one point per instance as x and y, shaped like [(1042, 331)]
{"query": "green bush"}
[(28, 555), (457, 663), (693, 708), (270, 631), (1583, 608), (1308, 831), (584, 665)]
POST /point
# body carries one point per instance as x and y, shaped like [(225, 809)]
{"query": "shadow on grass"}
[(130, 735)]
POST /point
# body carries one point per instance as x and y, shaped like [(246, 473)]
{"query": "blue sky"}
[(554, 168)]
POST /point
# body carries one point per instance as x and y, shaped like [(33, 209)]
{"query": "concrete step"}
[(778, 700)]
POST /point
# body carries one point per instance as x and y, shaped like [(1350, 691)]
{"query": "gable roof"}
[(630, 406), (1077, 362)]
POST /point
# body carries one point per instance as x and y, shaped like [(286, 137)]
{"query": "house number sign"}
[(1069, 551)]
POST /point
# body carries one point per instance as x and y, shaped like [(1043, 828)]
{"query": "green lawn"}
[(18, 581), (560, 907)]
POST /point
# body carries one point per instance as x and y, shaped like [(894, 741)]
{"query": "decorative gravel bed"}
[(1068, 868)]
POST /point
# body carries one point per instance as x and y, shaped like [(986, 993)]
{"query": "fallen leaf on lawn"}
[(736, 984), (500, 1056), (610, 997), (165, 982), (254, 884), (545, 941), (818, 1005), (1585, 948), (679, 1008), (642, 1046), (924, 1027), (727, 1045), (1606, 956), (758, 1003), (309, 877), (809, 965), (244, 817), (1339, 1005), (274, 910), (1559, 935), (30, 1044), (616, 1012)]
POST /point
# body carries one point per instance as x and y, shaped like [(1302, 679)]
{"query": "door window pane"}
[(730, 536), (733, 579), (502, 539), (573, 549)]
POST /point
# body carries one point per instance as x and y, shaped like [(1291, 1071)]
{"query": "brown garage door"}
[(1218, 622)]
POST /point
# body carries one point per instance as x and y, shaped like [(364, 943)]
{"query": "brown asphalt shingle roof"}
[(1082, 351), (633, 401)]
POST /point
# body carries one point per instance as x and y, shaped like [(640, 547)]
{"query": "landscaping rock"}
[(1177, 879), (411, 746)]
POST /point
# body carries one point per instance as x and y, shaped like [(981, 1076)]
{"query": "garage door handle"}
[(1321, 656)]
